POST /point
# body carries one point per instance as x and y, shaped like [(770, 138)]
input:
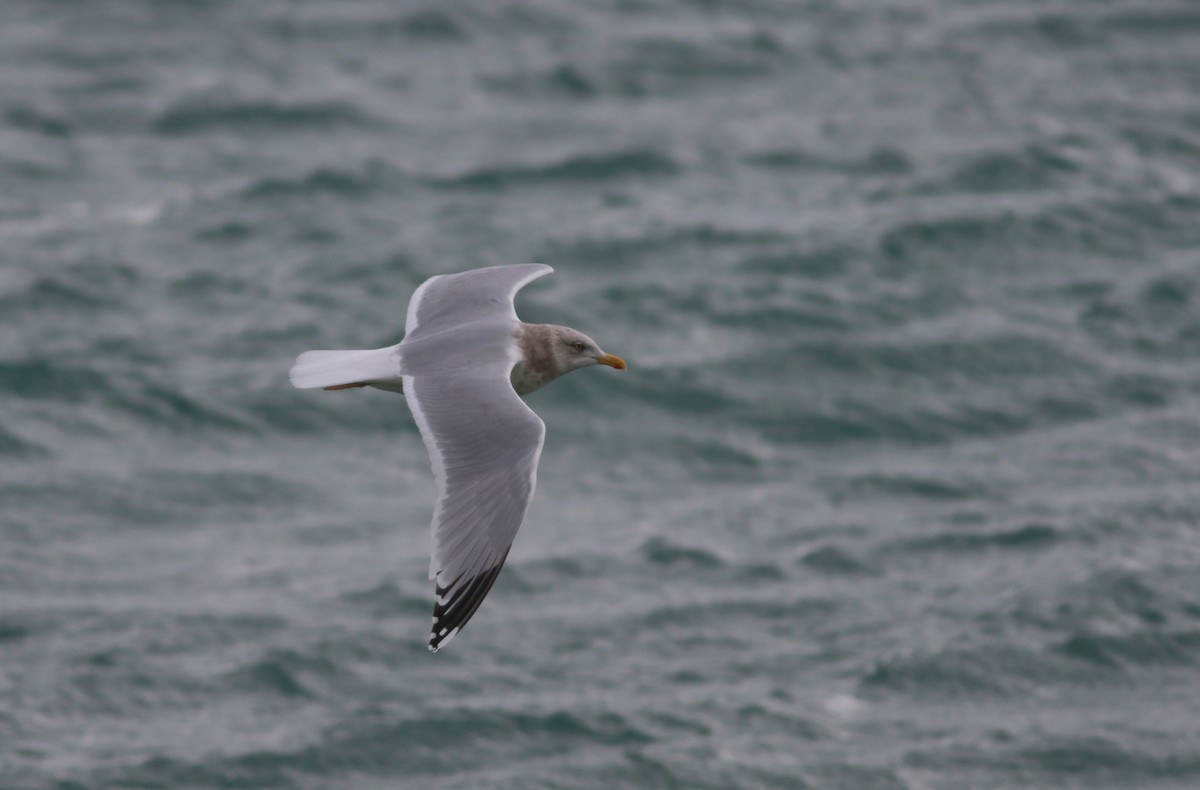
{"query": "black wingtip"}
[(457, 603)]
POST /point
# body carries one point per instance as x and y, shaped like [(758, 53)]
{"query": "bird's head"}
[(574, 350)]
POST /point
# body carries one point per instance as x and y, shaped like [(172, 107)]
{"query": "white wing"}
[(446, 301), (483, 441)]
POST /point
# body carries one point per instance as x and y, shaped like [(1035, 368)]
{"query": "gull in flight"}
[(463, 364)]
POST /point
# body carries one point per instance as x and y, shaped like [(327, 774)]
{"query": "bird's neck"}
[(538, 366)]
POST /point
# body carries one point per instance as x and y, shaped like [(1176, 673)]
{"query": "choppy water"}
[(900, 490)]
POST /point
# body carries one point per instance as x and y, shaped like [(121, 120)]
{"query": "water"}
[(899, 491)]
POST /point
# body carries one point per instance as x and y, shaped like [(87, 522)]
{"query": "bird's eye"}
[(579, 346)]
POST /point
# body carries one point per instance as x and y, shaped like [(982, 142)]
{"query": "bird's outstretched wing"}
[(445, 301), (483, 441)]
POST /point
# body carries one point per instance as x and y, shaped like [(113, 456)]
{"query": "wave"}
[(175, 409), (964, 387), (78, 287), (386, 600), (200, 115), (1063, 760), (837, 561), (203, 289), (652, 65), (974, 237), (1147, 647), (1010, 241), (659, 551), (283, 673), (1156, 319), (644, 245), (696, 617), (39, 378), (713, 459), (229, 488), (1031, 168), (128, 678), (817, 263), (85, 500), (998, 671), (14, 446), (851, 421), (897, 486), (433, 24), (373, 177), (270, 677), (1114, 601), (54, 294), (16, 628), (564, 81), (229, 232), (553, 573), (175, 634), (1161, 141), (27, 118), (1179, 21), (147, 402), (883, 161), (1028, 536), (664, 65), (435, 743), (633, 163)]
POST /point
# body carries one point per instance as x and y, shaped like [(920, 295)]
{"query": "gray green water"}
[(899, 491)]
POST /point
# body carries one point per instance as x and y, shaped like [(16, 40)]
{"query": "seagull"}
[(463, 365)]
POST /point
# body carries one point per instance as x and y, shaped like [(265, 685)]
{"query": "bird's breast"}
[(525, 379)]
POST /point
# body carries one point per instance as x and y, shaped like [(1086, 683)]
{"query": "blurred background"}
[(899, 491)]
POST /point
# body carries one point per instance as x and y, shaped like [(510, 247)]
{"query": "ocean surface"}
[(901, 490)]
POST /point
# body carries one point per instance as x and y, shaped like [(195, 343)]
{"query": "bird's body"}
[(464, 361)]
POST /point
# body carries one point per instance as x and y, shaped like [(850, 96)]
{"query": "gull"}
[(463, 365)]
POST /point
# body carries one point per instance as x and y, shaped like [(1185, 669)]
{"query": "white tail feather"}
[(335, 368)]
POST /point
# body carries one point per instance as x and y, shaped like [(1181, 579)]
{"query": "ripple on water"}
[(645, 246), (562, 81), (284, 673), (969, 387), (373, 177), (1025, 537), (1144, 648), (1010, 242), (204, 114), (369, 743), (1031, 168), (837, 561), (988, 671), (891, 486), (882, 161), (660, 551), (229, 232), (386, 600), (38, 377), (13, 445), (579, 168), (71, 381), (1157, 318), (666, 65), (732, 618), (1063, 760), (31, 118), (434, 25), (52, 294), (1115, 601)]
